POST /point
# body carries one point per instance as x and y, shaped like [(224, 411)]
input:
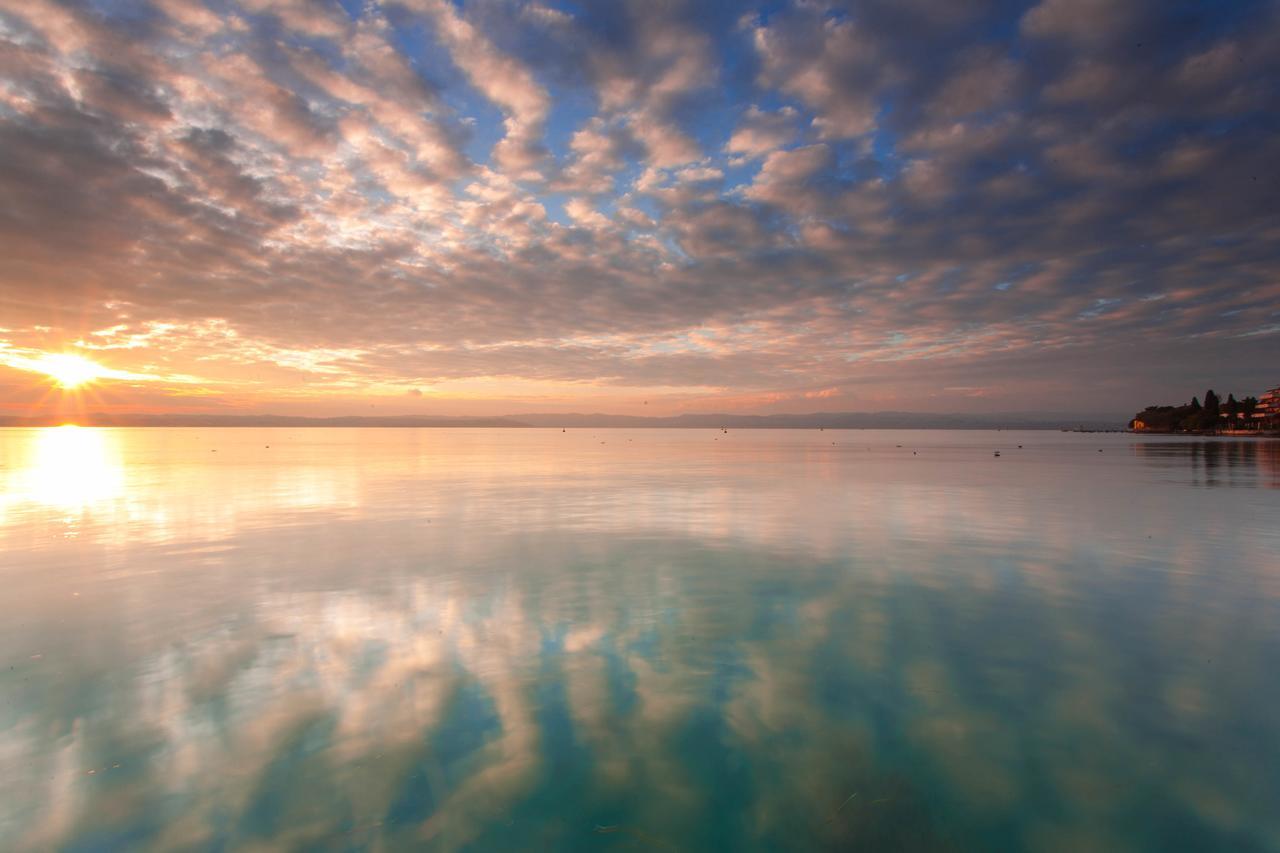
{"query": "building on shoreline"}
[(1268, 411), (1265, 417)]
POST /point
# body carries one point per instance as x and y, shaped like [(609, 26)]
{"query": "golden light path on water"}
[(71, 468)]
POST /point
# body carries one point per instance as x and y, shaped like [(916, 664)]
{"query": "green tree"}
[(1208, 417)]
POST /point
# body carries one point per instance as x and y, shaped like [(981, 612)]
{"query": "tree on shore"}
[(1232, 408), (1207, 419), (1195, 417)]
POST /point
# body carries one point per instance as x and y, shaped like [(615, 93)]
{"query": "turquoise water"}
[(638, 640)]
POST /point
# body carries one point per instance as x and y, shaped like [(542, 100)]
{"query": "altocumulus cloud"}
[(863, 204)]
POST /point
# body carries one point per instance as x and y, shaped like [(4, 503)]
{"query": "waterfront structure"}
[(1268, 411), (1265, 417)]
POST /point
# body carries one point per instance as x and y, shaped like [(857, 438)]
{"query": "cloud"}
[(833, 66), (794, 180), (661, 62), (516, 200), (1082, 21), (599, 150), (316, 18), (762, 132), (503, 80)]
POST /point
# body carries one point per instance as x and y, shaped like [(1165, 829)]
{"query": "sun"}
[(69, 371)]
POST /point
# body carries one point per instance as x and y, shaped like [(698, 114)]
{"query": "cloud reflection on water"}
[(493, 660)]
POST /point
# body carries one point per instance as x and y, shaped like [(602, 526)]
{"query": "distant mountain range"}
[(814, 420)]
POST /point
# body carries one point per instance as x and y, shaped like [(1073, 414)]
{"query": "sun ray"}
[(70, 371)]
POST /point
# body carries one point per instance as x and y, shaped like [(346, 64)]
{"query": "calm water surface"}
[(638, 640)]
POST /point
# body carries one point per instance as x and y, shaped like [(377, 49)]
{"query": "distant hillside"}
[(834, 420), (814, 420)]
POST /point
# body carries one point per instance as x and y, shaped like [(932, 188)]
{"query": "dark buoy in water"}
[(997, 453)]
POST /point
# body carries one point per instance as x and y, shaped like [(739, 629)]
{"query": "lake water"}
[(638, 640)]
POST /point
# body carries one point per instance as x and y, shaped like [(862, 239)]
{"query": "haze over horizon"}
[(422, 207)]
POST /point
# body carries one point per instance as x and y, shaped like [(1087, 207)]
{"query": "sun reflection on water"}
[(71, 468)]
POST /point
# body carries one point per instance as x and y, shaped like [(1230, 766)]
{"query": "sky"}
[(651, 207)]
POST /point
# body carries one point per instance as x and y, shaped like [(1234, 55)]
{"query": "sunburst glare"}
[(70, 371)]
